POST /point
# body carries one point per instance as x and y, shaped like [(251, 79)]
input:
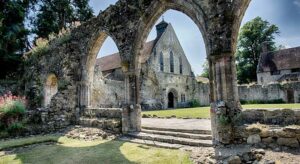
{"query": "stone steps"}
[(179, 134), (170, 139), (191, 131), (151, 143)]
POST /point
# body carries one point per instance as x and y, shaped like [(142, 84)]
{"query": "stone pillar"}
[(84, 97), (131, 115), (225, 104)]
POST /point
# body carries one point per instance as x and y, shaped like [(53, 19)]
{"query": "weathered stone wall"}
[(12, 86), (202, 94), (272, 127), (54, 59), (263, 93), (271, 116), (265, 78), (273, 137), (107, 93), (270, 92)]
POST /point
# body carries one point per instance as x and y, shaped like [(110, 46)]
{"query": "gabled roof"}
[(113, 61), (279, 60)]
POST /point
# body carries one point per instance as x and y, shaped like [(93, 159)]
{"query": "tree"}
[(83, 11), (13, 35), (205, 72), (55, 15), (253, 35)]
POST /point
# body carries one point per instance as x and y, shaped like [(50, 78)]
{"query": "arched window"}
[(171, 62), (161, 61), (180, 65)]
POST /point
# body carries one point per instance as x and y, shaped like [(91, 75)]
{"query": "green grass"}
[(203, 112), (77, 151), (200, 112)]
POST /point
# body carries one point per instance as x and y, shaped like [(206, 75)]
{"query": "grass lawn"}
[(203, 112), (67, 151)]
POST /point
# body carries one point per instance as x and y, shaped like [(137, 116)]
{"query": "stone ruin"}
[(71, 59)]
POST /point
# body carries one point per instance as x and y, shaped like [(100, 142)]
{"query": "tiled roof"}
[(279, 60), (109, 62), (113, 61)]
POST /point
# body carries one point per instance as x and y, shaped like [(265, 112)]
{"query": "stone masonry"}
[(128, 22)]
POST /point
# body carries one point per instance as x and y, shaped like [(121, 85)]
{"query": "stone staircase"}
[(104, 118), (170, 138)]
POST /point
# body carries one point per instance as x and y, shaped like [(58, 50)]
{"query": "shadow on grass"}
[(69, 152)]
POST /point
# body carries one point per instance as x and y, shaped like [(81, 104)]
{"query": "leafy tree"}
[(205, 72), (55, 15), (13, 35), (253, 35), (83, 11)]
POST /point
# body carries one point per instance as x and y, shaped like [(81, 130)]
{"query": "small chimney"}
[(265, 47)]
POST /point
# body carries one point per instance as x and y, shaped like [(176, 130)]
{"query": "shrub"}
[(275, 101), (15, 128), (12, 110), (195, 103)]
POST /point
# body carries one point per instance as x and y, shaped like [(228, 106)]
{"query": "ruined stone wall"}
[(107, 93), (272, 127), (270, 92), (55, 58), (260, 93), (202, 94), (265, 78)]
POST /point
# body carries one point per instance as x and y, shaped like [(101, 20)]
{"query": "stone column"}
[(131, 115), (84, 97), (225, 104)]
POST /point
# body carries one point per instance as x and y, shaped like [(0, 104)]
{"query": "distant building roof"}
[(113, 61), (279, 60), (109, 62)]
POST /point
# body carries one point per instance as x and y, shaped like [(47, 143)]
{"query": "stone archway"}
[(129, 22)]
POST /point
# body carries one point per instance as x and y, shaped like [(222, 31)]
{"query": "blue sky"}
[(284, 13)]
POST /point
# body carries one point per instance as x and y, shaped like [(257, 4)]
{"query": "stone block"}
[(290, 142), (234, 160), (253, 139)]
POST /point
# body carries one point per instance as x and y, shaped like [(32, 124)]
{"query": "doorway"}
[(171, 100)]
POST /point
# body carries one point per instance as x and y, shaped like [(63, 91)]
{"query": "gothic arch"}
[(89, 63), (193, 11)]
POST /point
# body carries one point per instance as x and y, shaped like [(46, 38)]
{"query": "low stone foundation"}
[(271, 116), (271, 136), (273, 128), (103, 118)]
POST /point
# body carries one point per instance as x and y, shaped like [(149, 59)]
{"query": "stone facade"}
[(279, 66), (167, 80)]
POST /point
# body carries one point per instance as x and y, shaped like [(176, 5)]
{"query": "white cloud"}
[(297, 3)]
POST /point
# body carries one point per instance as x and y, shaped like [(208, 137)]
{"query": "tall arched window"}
[(180, 65), (171, 62), (161, 61)]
